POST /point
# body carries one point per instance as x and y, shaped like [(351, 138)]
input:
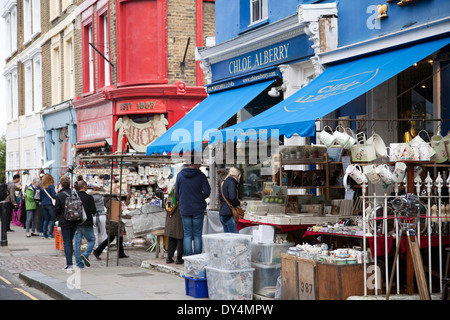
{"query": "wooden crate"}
[(304, 279)]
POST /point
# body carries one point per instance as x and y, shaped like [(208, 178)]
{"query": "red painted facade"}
[(141, 87)]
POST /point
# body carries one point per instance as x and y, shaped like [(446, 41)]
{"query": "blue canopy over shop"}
[(191, 130), (336, 86)]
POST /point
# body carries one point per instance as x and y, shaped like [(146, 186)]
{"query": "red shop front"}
[(132, 117)]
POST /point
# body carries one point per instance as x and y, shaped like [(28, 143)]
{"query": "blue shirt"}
[(44, 197)]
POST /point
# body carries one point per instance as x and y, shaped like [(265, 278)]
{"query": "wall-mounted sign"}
[(135, 106), (116, 171), (276, 54), (140, 135), (94, 130)]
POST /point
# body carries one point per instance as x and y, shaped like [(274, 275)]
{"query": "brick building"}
[(139, 74), (31, 29), (60, 91)]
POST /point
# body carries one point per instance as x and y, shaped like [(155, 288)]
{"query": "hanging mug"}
[(371, 173), (437, 143), (393, 153), (351, 141), (355, 172), (399, 172), (341, 137), (326, 138), (418, 139), (384, 173)]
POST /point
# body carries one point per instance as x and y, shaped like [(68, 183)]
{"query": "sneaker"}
[(68, 268), (28, 235), (85, 260)]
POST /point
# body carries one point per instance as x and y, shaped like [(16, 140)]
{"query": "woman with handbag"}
[(229, 201), (48, 197)]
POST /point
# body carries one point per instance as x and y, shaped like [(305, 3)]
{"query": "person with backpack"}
[(31, 206), (86, 228), (48, 195), (68, 228)]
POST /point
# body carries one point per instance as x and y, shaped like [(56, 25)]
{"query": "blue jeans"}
[(48, 216), (193, 228), (88, 233), (68, 234), (230, 225)]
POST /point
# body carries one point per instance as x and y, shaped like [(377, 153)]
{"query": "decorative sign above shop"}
[(139, 135), (94, 130), (282, 52), (135, 106)]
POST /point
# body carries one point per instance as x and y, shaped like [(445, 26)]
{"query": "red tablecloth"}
[(390, 245), (242, 223)]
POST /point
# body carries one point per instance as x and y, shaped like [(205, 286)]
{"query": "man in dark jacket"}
[(68, 228), (192, 188), (11, 201), (86, 228)]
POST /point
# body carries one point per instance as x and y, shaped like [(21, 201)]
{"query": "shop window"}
[(415, 101)]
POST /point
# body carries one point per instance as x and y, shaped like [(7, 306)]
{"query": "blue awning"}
[(336, 86), (191, 130)]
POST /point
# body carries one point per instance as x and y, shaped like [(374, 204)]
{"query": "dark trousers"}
[(103, 245), (172, 245), (9, 212), (68, 232)]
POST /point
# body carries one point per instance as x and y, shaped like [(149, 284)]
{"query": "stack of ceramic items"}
[(376, 174), (229, 273)]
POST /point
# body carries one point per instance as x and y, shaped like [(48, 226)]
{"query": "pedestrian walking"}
[(11, 201), (193, 189), (100, 216), (113, 229), (228, 195), (48, 196), (68, 228), (31, 207), (86, 228), (174, 229)]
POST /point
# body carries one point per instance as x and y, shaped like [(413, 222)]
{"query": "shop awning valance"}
[(336, 86), (96, 144), (191, 130)]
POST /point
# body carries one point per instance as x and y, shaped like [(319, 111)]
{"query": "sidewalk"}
[(140, 277)]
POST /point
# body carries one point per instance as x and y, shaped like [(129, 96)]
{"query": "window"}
[(104, 68), (8, 98), (88, 53), (56, 70), (15, 96), (91, 60), (258, 11), (54, 9), (36, 11), (10, 22), (27, 26), (17, 167), (10, 165), (28, 87), (27, 159), (69, 82), (37, 82)]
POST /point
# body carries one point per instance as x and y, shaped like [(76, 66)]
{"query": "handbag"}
[(53, 200), (238, 212)]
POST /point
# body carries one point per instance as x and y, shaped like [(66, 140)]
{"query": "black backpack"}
[(73, 207), (4, 193)]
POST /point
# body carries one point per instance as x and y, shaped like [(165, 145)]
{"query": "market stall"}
[(136, 185)]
